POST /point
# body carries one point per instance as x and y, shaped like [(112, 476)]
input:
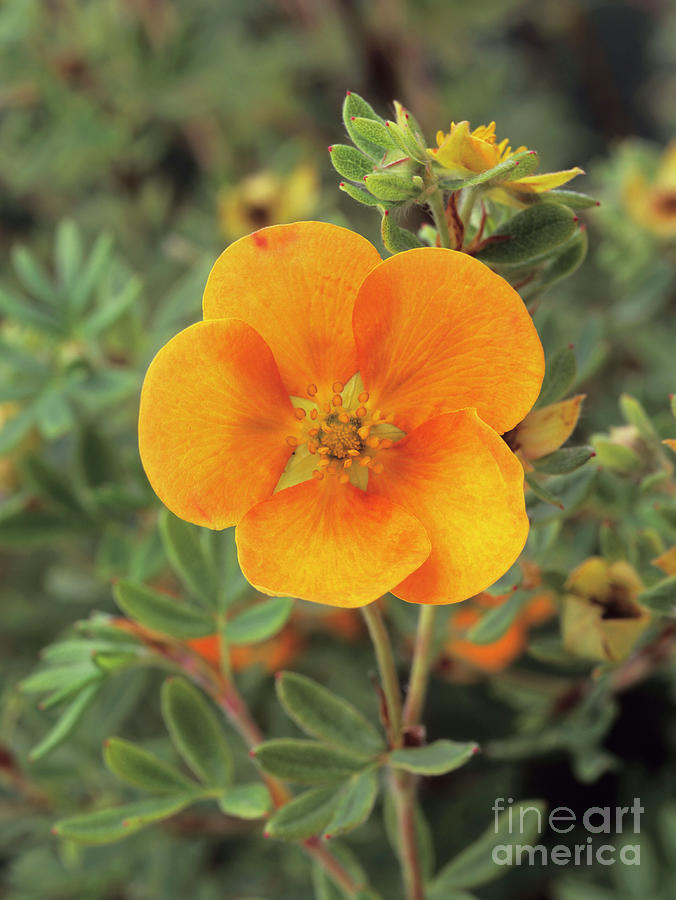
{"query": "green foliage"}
[(306, 762), (436, 758), (530, 236)]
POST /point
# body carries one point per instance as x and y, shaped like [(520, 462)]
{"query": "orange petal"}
[(296, 285), (438, 331), (466, 487), (213, 421), (330, 543), (546, 429)]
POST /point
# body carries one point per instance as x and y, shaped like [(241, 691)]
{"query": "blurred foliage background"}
[(138, 138)]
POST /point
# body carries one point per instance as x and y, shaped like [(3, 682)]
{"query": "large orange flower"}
[(345, 413)]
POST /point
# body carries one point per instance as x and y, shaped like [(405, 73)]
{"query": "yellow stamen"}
[(337, 400), (299, 413), (311, 390), (337, 387), (363, 397)]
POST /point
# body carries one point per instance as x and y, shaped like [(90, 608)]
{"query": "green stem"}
[(387, 669), (435, 201), (466, 205), (420, 670)]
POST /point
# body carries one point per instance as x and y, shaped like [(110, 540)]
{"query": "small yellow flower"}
[(466, 153), (601, 617), (652, 204), (268, 198), (667, 561), (544, 430)]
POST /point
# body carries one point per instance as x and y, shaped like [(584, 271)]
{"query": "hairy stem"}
[(388, 671), (435, 201), (420, 670)]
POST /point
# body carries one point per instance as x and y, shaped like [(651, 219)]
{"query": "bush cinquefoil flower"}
[(344, 413), (465, 153), (653, 203)]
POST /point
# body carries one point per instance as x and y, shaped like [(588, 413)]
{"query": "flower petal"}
[(438, 331), (330, 543), (296, 285), (545, 181), (546, 429), (213, 421), (466, 487)]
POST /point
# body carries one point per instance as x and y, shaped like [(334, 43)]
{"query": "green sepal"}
[(142, 769), (356, 107), (530, 236), (614, 456), (189, 560), (108, 825), (391, 187), (474, 865), (304, 816), (436, 758), (404, 139), (574, 199), (517, 166), (495, 622), (360, 194), (66, 722), (397, 239), (560, 375), (322, 714), (196, 732), (259, 621), (246, 801), (306, 762), (160, 612), (661, 597), (563, 461), (541, 491), (355, 804), (350, 162)]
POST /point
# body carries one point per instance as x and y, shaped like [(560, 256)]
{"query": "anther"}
[(323, 462), (377, 416), (313, 432), (337, 400), (344, 418), (373, 442), (364, 431), (353, 453), (347, 463), (343, 479), (386, 443), (323, 451), (363, 397), (311, 390), (365, 461), (317, 474), (299, 413), (377, 468), (312, 447), (360, 411), (337, 387), (313, 413), (292, 441)]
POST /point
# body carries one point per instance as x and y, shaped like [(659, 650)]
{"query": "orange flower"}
[(277, 653), (497, 655), (345, 414)]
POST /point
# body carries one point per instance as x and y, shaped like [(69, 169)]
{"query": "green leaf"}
[(356, 107), (304, 816), (541, 491), (361, 195), (246, 801), (373, 131), (566, 262), (15, 429), (92, 272), (260, 621), (66, 722), (322, 714), (54, 416), (185, 552), (436, 758), (661, 597), (635, 415), (306, 762), (397, 239), (56, 677), (32, 275), (108, 825), (113, 308), (615, 456), (494, 623), (30, 313), (560, 374), (350, 162), (160, 612), (529, 236), (574, 199), (563, 461), (67, 253), (475, 866), (51, 484), (391, 187), (196, 732), (142, 769), (26, 527), (355, 804)]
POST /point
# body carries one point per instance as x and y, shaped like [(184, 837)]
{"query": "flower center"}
[(342, 437)]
